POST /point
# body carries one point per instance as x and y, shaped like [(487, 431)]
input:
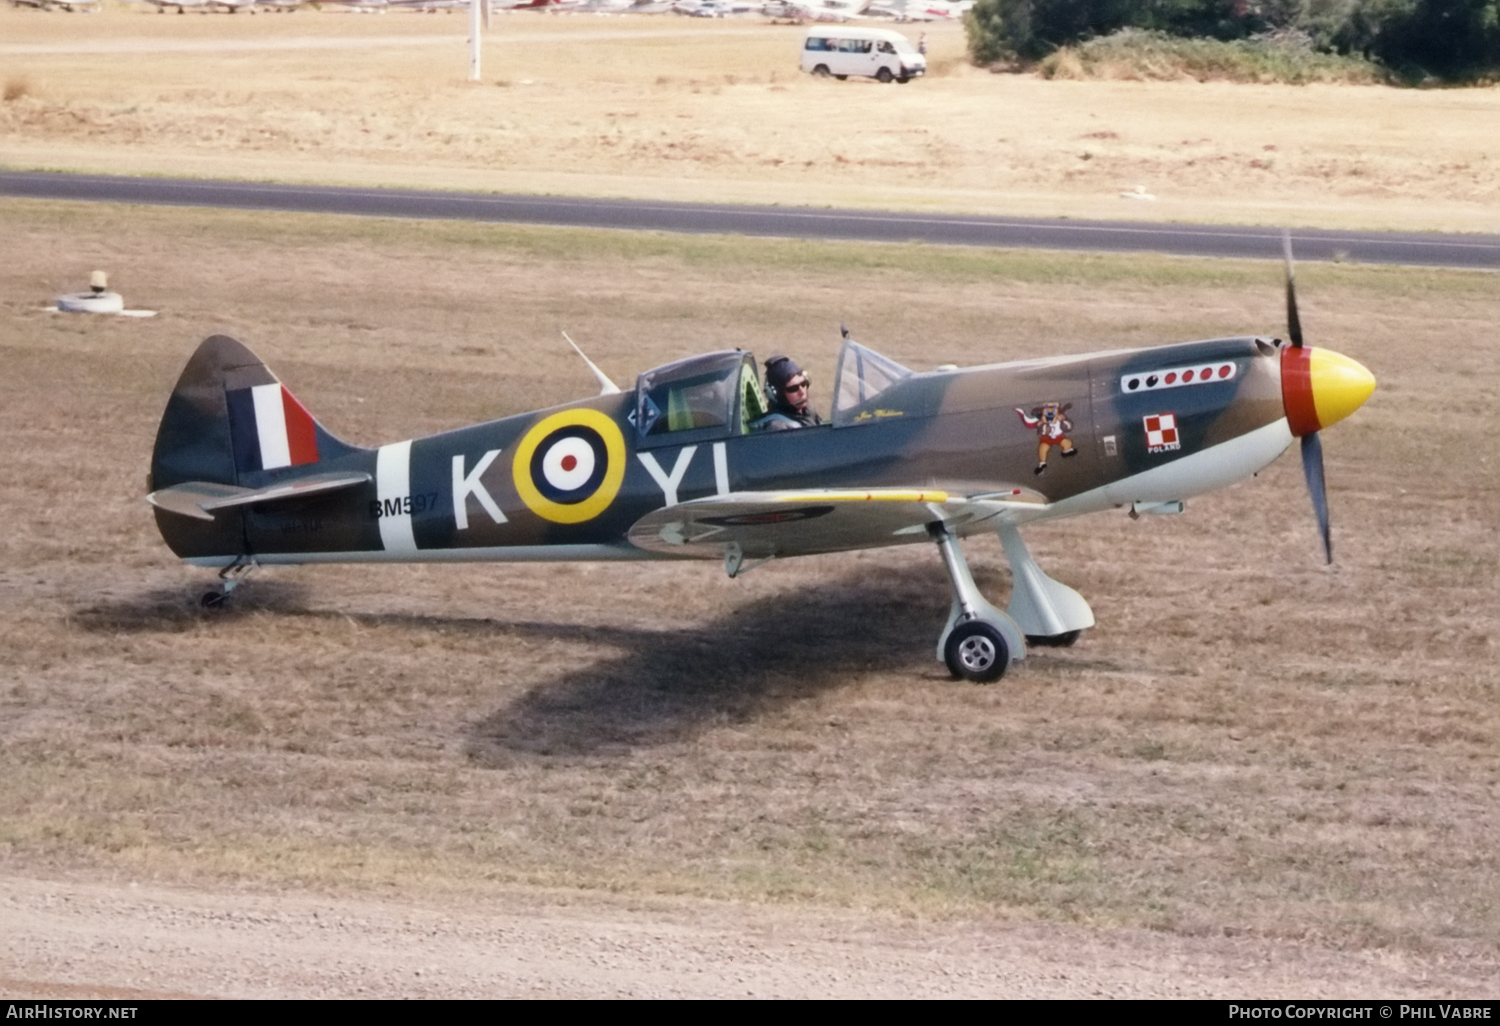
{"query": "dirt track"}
[(68, 939)]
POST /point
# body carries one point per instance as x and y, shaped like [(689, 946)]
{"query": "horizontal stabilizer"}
[(199, 499)]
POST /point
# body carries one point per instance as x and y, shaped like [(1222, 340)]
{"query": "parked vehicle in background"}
[(713, 8), (843, 50)]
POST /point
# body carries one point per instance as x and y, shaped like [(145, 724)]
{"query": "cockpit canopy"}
[(708, 396), (718, 395)]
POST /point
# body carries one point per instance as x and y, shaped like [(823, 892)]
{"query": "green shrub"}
[(1285, 40), (1137, 54)]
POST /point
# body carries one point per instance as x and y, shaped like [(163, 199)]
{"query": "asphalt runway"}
[(1411, 248)]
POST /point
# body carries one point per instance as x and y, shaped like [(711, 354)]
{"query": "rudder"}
[(230, 421)]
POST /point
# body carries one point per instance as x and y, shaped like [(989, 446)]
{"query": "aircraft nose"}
[(1320, 387)]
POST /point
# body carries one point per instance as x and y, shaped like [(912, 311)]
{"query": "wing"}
[(760, 525)]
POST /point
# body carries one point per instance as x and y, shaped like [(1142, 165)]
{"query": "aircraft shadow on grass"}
[(601, 689), (666, 685)]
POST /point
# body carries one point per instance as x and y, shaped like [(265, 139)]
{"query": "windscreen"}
[(863, 374)]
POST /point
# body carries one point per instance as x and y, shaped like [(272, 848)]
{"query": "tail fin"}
[(230, 421)]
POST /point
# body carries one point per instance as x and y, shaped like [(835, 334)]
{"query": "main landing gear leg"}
[(980, 642), (230, 576), (1050, 613)]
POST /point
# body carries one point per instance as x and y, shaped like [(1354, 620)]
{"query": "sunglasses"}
[(795, 386)]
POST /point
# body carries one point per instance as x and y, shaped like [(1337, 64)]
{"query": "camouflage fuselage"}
[(1114, 425)]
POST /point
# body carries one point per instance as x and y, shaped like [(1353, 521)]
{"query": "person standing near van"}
[(922, 44)]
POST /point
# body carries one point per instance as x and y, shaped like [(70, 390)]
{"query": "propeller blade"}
[(1312, 470), (1293, 322)]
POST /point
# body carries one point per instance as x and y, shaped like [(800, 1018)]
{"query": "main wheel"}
[(976, 651), (821, 71), (885, 76), (842, 78)]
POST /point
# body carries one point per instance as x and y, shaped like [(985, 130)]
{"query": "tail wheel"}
[(975, 651)]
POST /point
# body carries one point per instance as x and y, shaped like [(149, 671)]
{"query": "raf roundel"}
[(569, 466), (570, 463)]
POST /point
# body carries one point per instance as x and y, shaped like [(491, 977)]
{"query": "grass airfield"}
[(1256, 776)]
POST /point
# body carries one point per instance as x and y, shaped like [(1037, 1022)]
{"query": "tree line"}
[(1450, 40)]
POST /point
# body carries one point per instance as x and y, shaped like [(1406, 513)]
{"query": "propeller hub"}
[(1320, 387)]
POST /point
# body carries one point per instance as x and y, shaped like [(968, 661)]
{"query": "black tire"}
[(842, 78), (885, 76), (903, 79), (821, 71), (1064, 640), (975, 651)]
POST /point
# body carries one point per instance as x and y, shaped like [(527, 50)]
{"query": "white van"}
[(842, 50)]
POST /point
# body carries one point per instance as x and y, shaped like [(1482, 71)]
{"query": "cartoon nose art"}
[(1320, 387)]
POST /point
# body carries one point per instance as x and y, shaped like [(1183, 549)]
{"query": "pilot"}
[(787, 395)]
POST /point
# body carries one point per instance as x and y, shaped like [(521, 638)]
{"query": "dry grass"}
[(1248, 742), (675, 108)]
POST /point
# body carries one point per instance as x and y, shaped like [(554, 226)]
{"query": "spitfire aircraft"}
[(243, 476)]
